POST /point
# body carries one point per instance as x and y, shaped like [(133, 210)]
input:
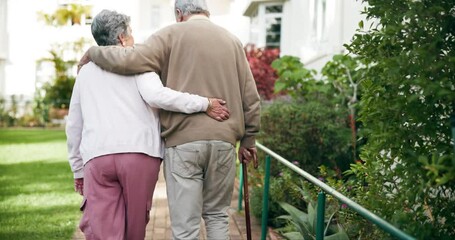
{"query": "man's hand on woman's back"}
[(84, 60)]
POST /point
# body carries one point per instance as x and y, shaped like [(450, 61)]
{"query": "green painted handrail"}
[(239, 203), (389, 228), (265, 198)]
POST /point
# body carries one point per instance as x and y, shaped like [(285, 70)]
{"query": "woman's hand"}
[(79, 185)]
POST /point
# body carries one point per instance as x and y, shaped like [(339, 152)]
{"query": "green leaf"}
[(312, 217), (279, 86), (293, 235), (298, 218), (361, 24), (340, 235)]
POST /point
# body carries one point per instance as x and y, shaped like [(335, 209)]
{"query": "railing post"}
[(239, 203), (320, 216), (265, 199)]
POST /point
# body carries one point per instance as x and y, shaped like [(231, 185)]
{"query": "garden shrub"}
[(407, 102), (309, 135), (260, 60), (57, 92), (8, 114), (313, 128), (406, 172)]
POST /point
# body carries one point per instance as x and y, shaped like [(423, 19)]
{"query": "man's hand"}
[(84, 60), (248, 154), (79, 185), (217, 110)]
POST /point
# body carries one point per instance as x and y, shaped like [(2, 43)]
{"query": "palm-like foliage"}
[(303, 224), (71, 13)]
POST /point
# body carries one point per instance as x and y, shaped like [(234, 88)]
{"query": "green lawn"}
[(37, 200)]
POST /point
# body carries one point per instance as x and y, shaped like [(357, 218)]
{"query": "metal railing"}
[(452, 122), (384, 225)]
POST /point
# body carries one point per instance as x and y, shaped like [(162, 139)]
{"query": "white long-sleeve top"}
[(111, 113)]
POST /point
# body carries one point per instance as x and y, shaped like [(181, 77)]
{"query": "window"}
[(318, 16), (266, 25), (272, 18)]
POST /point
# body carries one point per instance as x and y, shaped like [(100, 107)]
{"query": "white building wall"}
[(147, 16), (152, 15), (3, 46), (30, 40), (26, 43), (229, 15), (333, 29), (350, 12), (342, 21), (295, 27), (299, 37)]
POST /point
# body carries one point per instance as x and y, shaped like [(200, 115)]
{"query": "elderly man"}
[(202, 58), (113, 137)]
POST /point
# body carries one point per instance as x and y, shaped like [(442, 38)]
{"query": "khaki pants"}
[(200, 180)]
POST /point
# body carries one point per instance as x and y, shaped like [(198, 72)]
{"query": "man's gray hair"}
[(189, 7), (107, 27)]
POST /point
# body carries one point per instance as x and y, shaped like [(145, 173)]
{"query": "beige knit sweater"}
[(198, 57)]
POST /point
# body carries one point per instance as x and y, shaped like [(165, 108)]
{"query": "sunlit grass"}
[(37, 200), (36, 135)]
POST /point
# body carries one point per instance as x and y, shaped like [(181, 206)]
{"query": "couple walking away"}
[(184, 97)]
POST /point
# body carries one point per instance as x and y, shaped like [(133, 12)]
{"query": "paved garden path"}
[(159, 225)]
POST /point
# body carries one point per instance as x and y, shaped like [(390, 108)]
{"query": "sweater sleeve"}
[(156, 95), (74, 126), (251, 106), (146, 57)]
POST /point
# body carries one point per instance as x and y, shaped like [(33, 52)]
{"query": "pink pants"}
[(118, 192)]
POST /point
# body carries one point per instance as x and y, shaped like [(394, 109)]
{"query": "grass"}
[(37, 200)]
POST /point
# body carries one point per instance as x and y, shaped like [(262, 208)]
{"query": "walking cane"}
[(246, 196)]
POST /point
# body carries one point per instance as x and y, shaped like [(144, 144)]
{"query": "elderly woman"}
[(113, 135)]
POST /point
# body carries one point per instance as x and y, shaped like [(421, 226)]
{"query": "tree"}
[(72, 13), (57, 92), (346, 73), (408, 97), (52, 99)]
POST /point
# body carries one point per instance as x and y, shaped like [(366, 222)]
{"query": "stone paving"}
[(159, 226)]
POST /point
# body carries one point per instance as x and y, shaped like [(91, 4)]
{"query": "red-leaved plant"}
[(260, 60)]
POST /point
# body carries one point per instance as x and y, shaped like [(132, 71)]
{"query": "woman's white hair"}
[(107, 27), (189, 7)]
